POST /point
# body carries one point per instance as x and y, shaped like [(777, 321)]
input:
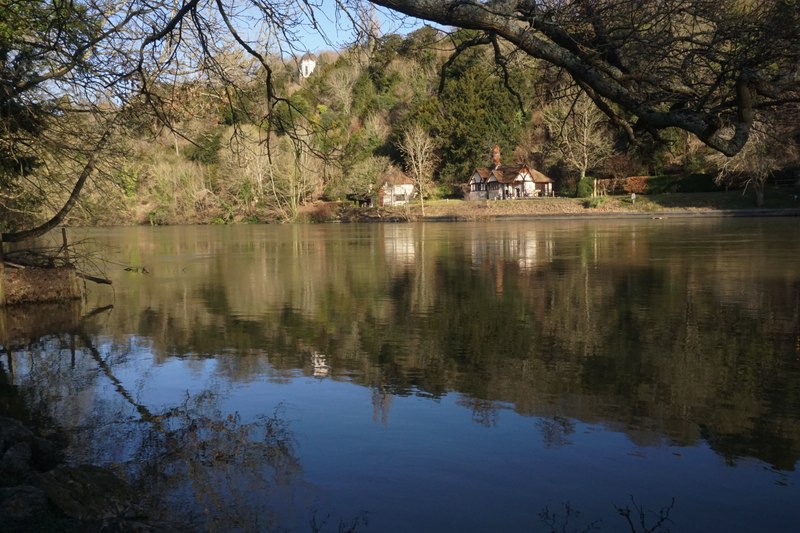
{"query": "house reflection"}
[(529, 249), (400, 244), (319, 362)]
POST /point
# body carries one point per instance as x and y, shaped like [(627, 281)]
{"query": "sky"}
[(338, 32)]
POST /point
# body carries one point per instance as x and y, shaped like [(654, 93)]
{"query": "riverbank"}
[(778, 202)]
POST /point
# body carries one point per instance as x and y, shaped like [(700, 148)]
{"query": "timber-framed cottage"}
[(500, 182)]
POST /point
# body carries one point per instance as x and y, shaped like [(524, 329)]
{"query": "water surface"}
[(503, 376)]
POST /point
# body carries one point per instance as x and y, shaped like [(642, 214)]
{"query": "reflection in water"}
[(321, 368), (679, 336), (556, 430), (195, 465)]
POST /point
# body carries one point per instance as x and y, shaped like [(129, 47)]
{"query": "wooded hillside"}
[(223, 133)]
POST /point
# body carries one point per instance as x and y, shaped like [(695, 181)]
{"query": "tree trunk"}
[(758, 188), (69, 204)]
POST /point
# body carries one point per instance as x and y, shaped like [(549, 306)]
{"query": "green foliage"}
[(234, 115), (246, 193), (128, 177), (157, 217), (681, 183), (440, 192), (287, 114), (383, 78), (478, 112), (595, 202), (585, 187), (206, 150), (364, 95), (420, 45)]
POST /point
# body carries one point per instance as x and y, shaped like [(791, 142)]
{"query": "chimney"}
[(496, 156)]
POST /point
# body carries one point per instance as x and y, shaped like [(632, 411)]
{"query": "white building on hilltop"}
[(307, 64)]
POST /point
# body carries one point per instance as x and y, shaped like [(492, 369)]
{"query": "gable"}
[(508, 174), (476, 178)]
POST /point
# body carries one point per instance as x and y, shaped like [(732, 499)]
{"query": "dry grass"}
[(664, 203)]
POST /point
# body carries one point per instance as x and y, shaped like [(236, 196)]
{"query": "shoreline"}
[(655, 215), (777, 202)]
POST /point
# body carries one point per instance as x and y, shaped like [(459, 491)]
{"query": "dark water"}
[(505, 376)]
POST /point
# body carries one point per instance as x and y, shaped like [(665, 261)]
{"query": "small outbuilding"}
[(396, 188)]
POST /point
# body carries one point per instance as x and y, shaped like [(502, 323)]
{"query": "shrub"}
[(680, 183), (585, 187), (206, 151), (635, 184), (662, 184), (592, 203), (157, 217)]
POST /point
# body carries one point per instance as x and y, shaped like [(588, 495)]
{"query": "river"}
[(493, 376)]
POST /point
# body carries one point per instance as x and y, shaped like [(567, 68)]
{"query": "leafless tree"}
[(578, 129), (419, 151), (340, 85), (756, 162)]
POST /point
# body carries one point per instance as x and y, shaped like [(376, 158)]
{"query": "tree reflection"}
[(671, 332), (484, 412), (637, 519), (555, 430), (642, 520), (381, 405), (199, 465), (565, 521), (194, 464), (221, 474)]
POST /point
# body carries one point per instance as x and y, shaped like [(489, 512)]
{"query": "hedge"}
[(662, 184)]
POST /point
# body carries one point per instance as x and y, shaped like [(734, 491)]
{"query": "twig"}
[(95, 279)]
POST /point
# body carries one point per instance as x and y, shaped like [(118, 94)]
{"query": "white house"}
[(508, 181), (307, 64), (498, 182), (396, 189)]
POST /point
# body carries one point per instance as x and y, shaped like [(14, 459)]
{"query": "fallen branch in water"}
[(95, 279)]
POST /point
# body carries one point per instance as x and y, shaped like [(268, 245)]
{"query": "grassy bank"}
[(676, 203)]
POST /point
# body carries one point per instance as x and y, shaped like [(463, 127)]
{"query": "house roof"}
[(508, 173), (308, 56), (512, 169), (538, 177), (394, 176)]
